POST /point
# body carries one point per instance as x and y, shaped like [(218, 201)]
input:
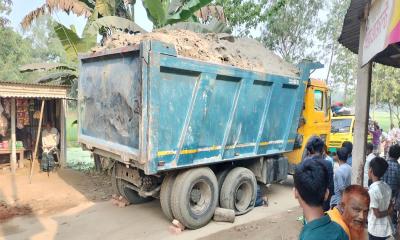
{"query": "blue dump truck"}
[(191, 133)]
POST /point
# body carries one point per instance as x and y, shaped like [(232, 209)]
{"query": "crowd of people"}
[(333, 208)]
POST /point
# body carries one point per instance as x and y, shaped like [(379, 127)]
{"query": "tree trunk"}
[(390, 114)]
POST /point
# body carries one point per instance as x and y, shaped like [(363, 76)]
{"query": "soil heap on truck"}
[(195, 134)]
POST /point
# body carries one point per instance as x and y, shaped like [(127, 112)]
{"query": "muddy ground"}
[(76, 205)]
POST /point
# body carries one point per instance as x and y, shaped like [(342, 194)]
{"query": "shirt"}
[(380, 194), (376, 136), (366, 168), (350, 160), (341, 180), (392, 175), (323, 228), (336, 217), (50, 139)]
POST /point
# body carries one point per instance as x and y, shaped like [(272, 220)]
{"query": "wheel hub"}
[(195, 195)]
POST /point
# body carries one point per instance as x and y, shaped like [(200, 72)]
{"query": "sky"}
[(23, 7)]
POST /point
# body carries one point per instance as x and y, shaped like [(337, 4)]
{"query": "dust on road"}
[(74, 205)]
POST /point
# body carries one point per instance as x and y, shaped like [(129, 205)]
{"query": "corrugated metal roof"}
[(350, 35), (28, 83), (29, 90)]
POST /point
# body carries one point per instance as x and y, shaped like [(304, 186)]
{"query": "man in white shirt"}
[(370, 156), (379, 226), (50, 140)]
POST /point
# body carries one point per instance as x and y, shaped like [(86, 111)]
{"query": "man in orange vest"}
[(352, 212)]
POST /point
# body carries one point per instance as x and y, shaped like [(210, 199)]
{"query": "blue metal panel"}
[(192, 112)]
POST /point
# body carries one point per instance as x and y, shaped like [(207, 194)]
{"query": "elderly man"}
[(50, 140), (352, 212)]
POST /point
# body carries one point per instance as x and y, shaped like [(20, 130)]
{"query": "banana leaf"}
[(115, 22)]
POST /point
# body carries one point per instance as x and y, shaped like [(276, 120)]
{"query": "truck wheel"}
[(221, 175), (165, 195), (133, 197), (195, 197), (239, 190), (116, 183)]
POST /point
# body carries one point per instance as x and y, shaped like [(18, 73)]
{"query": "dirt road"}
[(74, 205)]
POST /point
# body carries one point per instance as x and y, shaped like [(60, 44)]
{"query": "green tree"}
[(14, 51), (5, 9), (291, 30), (386, 90)]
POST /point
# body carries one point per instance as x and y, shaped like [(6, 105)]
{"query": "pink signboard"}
[(382, 28)]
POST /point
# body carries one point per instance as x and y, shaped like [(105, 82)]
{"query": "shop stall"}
[(24, 111)]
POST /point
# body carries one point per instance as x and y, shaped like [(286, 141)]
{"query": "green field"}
[(383, 118), (72, 130)]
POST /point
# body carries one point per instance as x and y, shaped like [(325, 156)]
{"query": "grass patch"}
[(383, 118), (72, 130)]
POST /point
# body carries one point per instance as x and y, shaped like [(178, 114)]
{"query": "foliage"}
[(344, 73), (113, 22), (14, 51), (76, 6), (290, 30), (164, 12), (5, 9), (386, 86)]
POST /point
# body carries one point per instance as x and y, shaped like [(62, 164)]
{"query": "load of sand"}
[(244, 53)]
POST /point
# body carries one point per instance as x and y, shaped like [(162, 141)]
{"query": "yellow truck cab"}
[(315, 120), (342, 130)]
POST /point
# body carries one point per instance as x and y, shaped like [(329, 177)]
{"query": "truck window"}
[(341, 125), (318, 100)]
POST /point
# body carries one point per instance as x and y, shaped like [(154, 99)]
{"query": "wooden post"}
[(37, 140), (13, 159), (363, 93), (63, 133)]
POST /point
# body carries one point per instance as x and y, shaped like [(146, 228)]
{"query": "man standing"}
[(376, 137), (315, 149), (342, 176), (392, 175), (379, 226), (50, 140), (370, 155), (311, 190), (351, 214)]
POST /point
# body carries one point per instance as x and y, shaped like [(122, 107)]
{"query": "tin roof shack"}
[(24, 109), (371, 29)]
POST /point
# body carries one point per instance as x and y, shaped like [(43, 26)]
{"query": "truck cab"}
[(315, 120), (342, 130)]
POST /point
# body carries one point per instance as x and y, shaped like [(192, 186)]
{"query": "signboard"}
[(382, 28)]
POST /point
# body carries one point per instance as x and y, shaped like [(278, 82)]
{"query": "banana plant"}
[(166, 12)]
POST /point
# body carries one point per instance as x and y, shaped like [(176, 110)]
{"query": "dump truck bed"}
[(146, 106)]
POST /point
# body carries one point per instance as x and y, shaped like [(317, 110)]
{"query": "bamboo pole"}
[(37, 140), (13, 138)]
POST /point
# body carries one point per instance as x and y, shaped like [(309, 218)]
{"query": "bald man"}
[(352, 212)]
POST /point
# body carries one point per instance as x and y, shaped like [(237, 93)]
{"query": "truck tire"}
[(116, 183), (133, 197), (120, 188), (165, 195), (239, 191), (221, 175), (195, 197)]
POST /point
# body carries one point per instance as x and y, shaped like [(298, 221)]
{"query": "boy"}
[(379, 226), (311, 190), (342, 177)]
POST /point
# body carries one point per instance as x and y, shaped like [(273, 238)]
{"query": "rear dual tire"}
[(239, 191), (194, 197)]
